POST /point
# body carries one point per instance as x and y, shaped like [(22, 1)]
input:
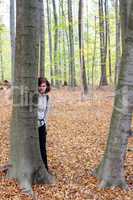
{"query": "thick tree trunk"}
[(27, 165), (111, 168)]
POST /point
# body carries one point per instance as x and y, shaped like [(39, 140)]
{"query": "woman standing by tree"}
[(43, 107)]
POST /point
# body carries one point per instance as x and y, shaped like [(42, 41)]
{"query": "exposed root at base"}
[(5, 168)]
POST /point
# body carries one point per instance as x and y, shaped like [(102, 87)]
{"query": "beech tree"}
[(26, 164), (12, 34), (111, 169), (103, 42), (72, 78), (41, 40), (81, 50)]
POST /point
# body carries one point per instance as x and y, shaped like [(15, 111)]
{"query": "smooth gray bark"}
[(27, 165), (12, 35), (103, 44), (111, 169), (55, 44), (118, 43), (84, 86), (72, 78), (50, 41), (94, 54), (42, 40)]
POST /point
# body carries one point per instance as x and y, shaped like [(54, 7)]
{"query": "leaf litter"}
[(77, 135)]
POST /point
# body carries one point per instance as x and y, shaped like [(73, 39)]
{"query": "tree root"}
[(5, 168), (43, 176), (104, 184)]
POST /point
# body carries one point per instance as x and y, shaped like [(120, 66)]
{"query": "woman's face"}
[(42, 88)]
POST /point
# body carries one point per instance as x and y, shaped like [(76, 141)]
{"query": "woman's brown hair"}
[(44, 80)]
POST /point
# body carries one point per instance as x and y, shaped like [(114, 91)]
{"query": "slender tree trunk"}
[(72, 78), (111, 168), (84, 85), (94, 54), (108, 39), (27, 165), (64, 63), (50, 42), (12, 36), (88, 73), (60, 59), (55, 44), (65, 43), (103, 44), (42, 40), (118, 43), (65, 23)]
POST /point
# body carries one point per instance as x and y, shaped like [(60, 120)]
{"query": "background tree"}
[(55, 44), (27, 165), (107, 21), (94, 53), (118, 38), (41, 40), (111, 169), (12, 34), (103, 43), (72, 78), (50, 41), (81, 50)]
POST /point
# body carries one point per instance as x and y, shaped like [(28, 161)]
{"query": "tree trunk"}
[(55, 44), (84, 85), (111, 168), (88, 72), (50, 42), (118, 43), (27, 165), (12, 36), (60, 58), (65, 44), (42, 40), (103, 44), (64, 64), (108, 39), (94, 54), (72, 78)]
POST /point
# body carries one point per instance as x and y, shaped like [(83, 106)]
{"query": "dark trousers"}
[(42, 142)]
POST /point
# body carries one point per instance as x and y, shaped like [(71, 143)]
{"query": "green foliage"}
[(5, 48), (63, 27)]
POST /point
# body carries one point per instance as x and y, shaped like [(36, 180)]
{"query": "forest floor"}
[(77, 135)]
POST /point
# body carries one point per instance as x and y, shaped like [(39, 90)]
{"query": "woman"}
[(43, 107)]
